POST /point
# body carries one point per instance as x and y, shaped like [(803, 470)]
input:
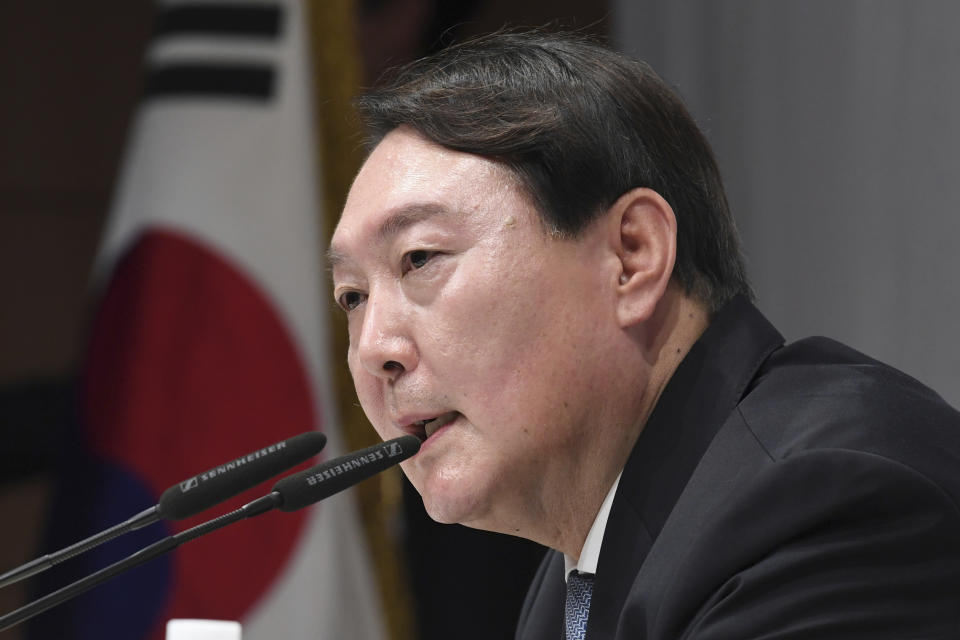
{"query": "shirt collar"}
[(590, 553)]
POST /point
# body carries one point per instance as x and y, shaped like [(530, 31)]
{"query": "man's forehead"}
[(408, 166), (404, 153)]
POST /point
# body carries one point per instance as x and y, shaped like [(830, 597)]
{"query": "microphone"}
[(191, 496), (212, 487), (327, 478), (289, 494)]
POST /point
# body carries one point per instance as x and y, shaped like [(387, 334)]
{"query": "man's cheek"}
[(370, 400)]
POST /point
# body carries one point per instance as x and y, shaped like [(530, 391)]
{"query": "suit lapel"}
[(542, 615)]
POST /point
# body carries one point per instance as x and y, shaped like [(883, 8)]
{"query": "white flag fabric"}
[(210, 339)]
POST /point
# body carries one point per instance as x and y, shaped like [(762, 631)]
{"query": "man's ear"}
[(647, 249)]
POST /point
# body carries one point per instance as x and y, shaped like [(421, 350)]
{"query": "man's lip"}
[(442, 420), (413, 424), (408, 420), (414, 429)]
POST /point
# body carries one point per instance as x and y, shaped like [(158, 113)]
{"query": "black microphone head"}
[(212, 487), (322, 481)]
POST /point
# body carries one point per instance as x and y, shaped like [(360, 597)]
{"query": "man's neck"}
[(667, 338), (675, 327)]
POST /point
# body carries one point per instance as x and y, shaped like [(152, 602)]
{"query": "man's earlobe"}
[(647, 248)]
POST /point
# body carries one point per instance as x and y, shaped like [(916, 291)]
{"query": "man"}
[(543, 282)]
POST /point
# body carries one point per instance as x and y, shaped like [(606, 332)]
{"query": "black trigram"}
[(252, 80)]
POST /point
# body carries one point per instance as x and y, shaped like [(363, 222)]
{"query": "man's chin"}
[(451, 507), (443, 512)]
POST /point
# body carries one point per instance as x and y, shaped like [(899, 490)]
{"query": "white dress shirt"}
[(590, 553)]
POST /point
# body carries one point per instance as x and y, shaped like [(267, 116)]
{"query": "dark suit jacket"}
[(804, 491)]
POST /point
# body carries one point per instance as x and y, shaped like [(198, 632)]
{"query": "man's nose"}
[(385, 348)]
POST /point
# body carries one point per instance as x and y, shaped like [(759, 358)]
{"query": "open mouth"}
[(426, 428)]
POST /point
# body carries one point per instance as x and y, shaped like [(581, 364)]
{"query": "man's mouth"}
[(423, 429)]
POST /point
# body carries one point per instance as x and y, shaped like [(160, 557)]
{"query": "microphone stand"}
[(142, 519), (249, 510)]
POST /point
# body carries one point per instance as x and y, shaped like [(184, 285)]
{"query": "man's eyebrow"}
[(407, 217), (396, 222)]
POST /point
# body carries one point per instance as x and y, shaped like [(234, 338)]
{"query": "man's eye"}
[(350, 300), (416, 259)]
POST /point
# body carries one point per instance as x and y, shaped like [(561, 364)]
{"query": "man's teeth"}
[(430, 426)]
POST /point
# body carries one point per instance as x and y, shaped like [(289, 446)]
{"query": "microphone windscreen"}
[(322, 481), (212, 487)]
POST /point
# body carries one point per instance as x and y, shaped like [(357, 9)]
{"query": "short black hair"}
[(580, 125)]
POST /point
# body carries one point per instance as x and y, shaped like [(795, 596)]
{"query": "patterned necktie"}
[(579, 590)]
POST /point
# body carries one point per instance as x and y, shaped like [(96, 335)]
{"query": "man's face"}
[(464, 313)]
